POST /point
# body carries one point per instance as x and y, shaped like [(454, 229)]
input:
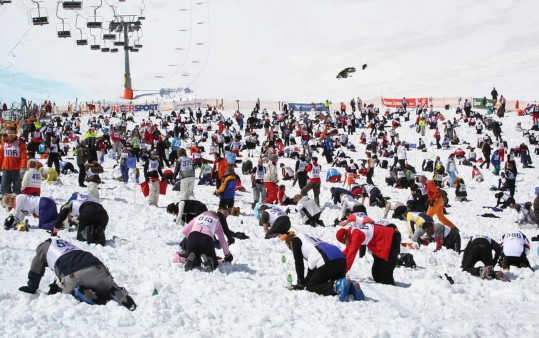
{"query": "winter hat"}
[(341, 234), (537, 190)]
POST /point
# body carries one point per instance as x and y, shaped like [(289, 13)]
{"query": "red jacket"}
[(379, 245), (432, 190)]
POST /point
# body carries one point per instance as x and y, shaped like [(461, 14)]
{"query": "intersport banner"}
[(130, 108), (395, 103)]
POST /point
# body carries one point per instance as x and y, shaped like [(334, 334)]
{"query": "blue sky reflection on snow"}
[(13, 84)]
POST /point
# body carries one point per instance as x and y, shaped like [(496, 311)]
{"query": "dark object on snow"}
[(343, 74), (448, 278), (406, 260), (364, 66), (488, 215), (240, 235)]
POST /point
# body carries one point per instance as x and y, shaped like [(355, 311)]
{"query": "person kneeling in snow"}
[(382, 240), (309, 211), (200, 249), (274, 220), (42, 207), (479, 249), (443, 236), (81, 274), (326, 267), (92, 218)]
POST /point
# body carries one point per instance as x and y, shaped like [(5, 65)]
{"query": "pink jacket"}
[(198, 225)]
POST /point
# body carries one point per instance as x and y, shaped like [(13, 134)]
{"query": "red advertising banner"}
[(395, 103)]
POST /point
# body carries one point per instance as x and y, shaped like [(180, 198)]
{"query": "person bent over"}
[(80, 273)]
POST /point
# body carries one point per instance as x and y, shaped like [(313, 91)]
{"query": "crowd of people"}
[(233, 153)]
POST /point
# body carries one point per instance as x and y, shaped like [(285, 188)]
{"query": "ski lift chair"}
[(7, 2), (72, 5), (39, 15), (63, 29), (114, 50)]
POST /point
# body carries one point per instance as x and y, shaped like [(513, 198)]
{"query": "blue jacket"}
[(230, 158), (495, 158), (227, 188)]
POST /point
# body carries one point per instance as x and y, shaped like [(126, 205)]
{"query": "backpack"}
[(406, 260)]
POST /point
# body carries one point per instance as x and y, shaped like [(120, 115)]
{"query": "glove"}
[(229, 258), (54, 289), (10, 222), (231, 240), (287, 211), (298, 287), (21, 172), (431, 203), (27, 289)]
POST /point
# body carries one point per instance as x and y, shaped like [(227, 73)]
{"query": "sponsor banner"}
[(483, 103), (396, 103), (129, 108), (307, 106)]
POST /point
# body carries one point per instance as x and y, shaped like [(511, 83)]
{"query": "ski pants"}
[(186, 188), (520, 261), (92, 214), (321, 280), (82, 174), (438, 210), (271, 189), (47, 213), (452, 240), (93, 189), (315, 187), (476, 253), (199, 244), (153, 197), (54, 158), (382, 271), (259, 192), (302, 179), (279, 227), (96, 277), (11, 177)]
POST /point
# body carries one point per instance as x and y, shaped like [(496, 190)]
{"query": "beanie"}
[(341, 234)]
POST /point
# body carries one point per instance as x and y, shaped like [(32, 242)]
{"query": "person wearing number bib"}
[(80, 273), (200, 250), (383, 241), (152, 172), (257, 180), (227, 190), (93, 169), (274, 220), (92, 218), (185, 173), (271, 179), (516, 247), (479, 249), (314, 182), (43, 208), (326, 267), (443, 236), (13, 162)]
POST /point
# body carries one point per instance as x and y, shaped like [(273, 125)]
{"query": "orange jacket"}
[(221, 168), (13, 155), (432, 190)]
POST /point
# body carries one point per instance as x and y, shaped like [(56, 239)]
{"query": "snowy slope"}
[(248, 298), (282, 50)]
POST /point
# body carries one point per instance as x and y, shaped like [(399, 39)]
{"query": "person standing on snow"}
[(185, 174), (13, 162), (314, 182), (271, 179), (436, 201), (152, 172)]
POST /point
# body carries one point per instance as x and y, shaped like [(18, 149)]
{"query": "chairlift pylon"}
[(41, 18), (63, 29), (72, 5)]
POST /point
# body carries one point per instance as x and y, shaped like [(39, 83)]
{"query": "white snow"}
[(291, 51), (249, 298)]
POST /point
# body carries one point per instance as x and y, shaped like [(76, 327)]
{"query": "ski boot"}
[(206, 263), (355, 290), (120, 296), (342, 288)]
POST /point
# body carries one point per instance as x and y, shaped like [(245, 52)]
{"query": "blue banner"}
[(307, 106)]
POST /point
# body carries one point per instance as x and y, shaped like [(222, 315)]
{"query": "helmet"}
[(10, 222), (341, 234)]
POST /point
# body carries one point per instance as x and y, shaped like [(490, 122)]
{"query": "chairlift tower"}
[(125, 24)]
